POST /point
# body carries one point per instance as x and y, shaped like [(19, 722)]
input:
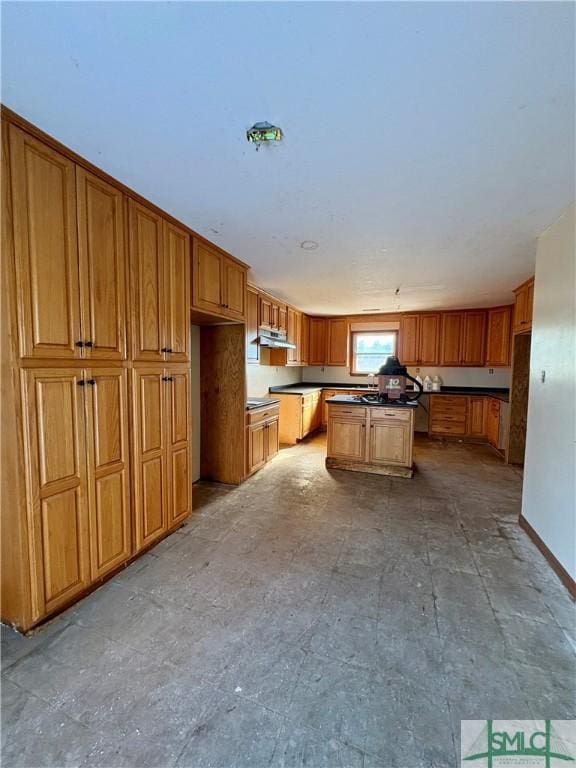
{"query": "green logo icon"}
[(516, 741)]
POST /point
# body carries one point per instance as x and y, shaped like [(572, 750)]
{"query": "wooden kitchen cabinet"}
[(219, 283), (390, 442), (448, 415), (337, 344), (474, 417), (419, 339), (463, 336), (256, 448), (293, 336), (493, 422), (178, 445), (300, 415), (499, 335), (263, 436), (476, 425), (523, 306), (273, 313), (347, 438), (252, 325), (304, 339), (317, 348), (177, 293)]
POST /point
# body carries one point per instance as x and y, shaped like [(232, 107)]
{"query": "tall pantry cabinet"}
[(95, 347)]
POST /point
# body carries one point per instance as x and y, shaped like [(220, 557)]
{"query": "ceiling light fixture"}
[(309, 245), (264, 132)]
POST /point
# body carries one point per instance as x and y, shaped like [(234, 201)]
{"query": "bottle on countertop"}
[(427, 383), (436, 384), (419, 379)]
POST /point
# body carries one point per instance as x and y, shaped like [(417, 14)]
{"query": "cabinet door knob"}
[(88, 344), (80, 343), (166, 349), (167, 378), (92, 382), (81, 382)]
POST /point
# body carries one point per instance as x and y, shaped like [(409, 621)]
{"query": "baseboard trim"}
[(556, 566)]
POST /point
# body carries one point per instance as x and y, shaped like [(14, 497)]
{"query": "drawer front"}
[(348, 411), (449, 408), (262, 414), (390, 414), (449, 418), (448, 428), (448, 400)]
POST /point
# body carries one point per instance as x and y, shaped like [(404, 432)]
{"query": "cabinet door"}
[(304, 339), (390, 443), (179, 445), (56, 452), (451, 340), (474, 338), (317, 350), (408, 340), (147, 271), (234, 282), (326, 394), (177, 291), (477, 417), (272, 442), (282, 318), (529, 304), (149, 455), (523, 307), (498, 343), (252, 347), (307, 416), (256, 447), (106, 396), (493, 422), (347, 439), (265, 312), (207, 278), (428, 340), (101, 246), (46, 249), (337, 344), (292, 356)]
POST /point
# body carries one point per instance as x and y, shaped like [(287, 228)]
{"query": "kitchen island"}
[(370, 437)]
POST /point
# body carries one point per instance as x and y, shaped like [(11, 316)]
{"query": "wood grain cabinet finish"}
[(57, 487), (45, 249), (346, 438), (179, 443), (390, 442), (419, 339), (219, 283), (477, 416), (451, 341), (177, 293), (499, 337), (262, 443), (102, 253), (317, 348), (523, 306), (337, 346), (252, 325), (463, 338)]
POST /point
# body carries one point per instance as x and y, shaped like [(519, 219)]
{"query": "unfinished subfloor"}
[(306, 618)]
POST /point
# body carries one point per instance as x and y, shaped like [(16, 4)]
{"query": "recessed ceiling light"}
[(309, 245)]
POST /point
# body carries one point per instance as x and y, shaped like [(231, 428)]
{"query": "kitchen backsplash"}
[(451, 377), (260, 377)]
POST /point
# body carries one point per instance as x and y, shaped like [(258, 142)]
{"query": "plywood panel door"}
[(347, 439), (428, 339), (177, 283), (408, 340), (106, 395), (179, 445), (498, 346), (256, 447), (149, 455), (451, 340), (477, 416), (317, 349), (234, 294), (390, 443), (337, 343), (207, 277), (56, 475), (147, 283), (102, 254), (474, 338), (46, 249)]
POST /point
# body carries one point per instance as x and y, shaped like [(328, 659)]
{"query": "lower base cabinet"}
[(474, 417), (262, 442), (300, 415)]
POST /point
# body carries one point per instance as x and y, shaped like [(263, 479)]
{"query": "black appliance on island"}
[(392, 379)]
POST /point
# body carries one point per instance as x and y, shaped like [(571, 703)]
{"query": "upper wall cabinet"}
[(219, 283), (419, 339), (70, 256), (337, 341), (523, 307), (499, 336), (273, 314), (160, 285), (463, 338), (46, 249), (252, 325), (317, 348)]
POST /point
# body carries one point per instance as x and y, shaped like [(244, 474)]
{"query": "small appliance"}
[(392, 379), (274, 339)]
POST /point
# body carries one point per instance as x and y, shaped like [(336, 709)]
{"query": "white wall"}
[(195, 386), (454, 377), (549, 498), (260, 377)]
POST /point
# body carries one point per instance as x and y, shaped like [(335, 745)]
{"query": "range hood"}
[(274, 339)]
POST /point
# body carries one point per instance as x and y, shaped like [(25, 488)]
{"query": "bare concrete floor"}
[(307, 619)]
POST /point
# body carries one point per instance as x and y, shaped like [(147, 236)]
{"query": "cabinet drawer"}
[(445, 400), (394, 414), (449, 418), (262, 414), (348, 411), (448, 428)]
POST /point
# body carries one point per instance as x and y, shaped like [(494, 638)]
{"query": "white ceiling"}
[(426, 145)]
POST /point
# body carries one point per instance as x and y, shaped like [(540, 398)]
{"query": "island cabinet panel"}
[(106, 400), (102, 253), (474, 338), (389, 442), (451, 341), (58, 490), (347, 438), (45, 249), (177, 291), (317, 349), (337, 341), (499, 337)]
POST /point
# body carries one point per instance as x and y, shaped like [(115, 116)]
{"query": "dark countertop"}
[(352, 400), (259, 402), (305, 388)]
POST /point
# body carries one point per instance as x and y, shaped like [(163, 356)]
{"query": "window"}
[(370, 350)]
